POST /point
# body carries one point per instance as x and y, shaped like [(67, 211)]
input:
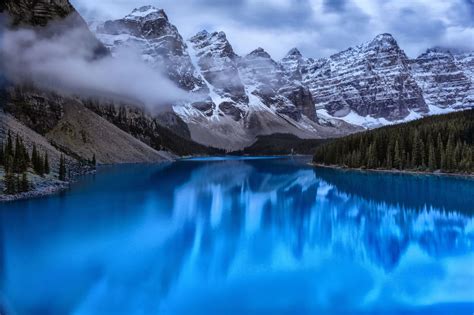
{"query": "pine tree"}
[(10, 183), (38, 162), (24, 184), (46, 168), (389, 158), (417, 151), (432, 165), (2, 154), (62, 168), (372, 156), (20, 159), (457, 155), (397, 160), (450, 153), (437, 142), (9, 146), (34, 158), (94, 161)]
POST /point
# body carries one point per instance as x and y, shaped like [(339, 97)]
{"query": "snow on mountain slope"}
[(370, 80), (149, 30), (442, 80), (235, 98), (466, 62), (238, 98), (376, 84)]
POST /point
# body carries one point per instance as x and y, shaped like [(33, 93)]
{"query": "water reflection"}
[(259, 236)]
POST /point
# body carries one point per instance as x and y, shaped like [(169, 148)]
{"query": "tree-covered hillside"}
[(444, 142)]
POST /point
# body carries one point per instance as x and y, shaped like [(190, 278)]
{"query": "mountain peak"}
[(260, 52), (294, 53), (147, 12), (384, 39)]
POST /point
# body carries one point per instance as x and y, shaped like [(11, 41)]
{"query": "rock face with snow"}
[(217, 62), (375, 83), (372, 79), (235, 98), (465, 61), (37, 13), (238, 98), (266, 79), (160, 42), (444, 82)]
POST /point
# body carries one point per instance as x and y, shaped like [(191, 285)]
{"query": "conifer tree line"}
[(443, 143), (16, 160)]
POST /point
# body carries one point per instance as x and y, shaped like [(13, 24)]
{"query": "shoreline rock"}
[(395, 171), (36, 193)]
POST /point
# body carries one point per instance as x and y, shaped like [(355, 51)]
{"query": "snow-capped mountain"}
[(236, 98), (444, 81), (371, 81), (375, 83), (240, 97), (160, 43)]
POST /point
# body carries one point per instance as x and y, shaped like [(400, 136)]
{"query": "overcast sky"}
[(318, 28)]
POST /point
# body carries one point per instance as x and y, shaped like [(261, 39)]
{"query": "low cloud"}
[(68, 63)]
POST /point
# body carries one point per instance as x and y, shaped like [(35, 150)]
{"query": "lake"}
[(241, 236)]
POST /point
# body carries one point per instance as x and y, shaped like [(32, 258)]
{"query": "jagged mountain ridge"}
[(369, 85), (372, 79), (375, 83), (243, 97)]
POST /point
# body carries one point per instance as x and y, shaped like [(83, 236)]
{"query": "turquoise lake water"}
[(241, 236)]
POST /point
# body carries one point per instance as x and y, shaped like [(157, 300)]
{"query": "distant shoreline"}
[(394, 171)]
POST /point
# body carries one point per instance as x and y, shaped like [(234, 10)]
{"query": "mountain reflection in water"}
[(241, 236)]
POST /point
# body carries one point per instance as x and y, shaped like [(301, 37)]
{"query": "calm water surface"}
[(235, 236)]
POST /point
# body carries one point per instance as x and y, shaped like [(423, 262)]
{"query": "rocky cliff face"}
[(69, 124), (266, 79), (443, 80), (369, 85), (37, 13), (240, 98), (216, 61), (236, 98), (375, 83), (160, 42), (372, 79)]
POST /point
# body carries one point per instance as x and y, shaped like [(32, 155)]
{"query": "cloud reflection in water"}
[(260, 236)]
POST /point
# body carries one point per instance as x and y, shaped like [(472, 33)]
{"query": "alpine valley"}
[(231, 100)]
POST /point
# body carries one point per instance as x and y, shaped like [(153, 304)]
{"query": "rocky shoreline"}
[(44, 186), (36, 193), (394, 171)]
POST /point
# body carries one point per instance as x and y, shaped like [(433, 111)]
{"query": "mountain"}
[(370, 80), (37, 13), (239, 98), (236, 98), (376, 84), (82, 128), (162, 45), (445, 81), (43, 110)]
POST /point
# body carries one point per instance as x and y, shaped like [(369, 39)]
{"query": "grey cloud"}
[(335, 5), (318, 27)]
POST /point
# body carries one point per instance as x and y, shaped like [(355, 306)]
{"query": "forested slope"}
[(444, 142)]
